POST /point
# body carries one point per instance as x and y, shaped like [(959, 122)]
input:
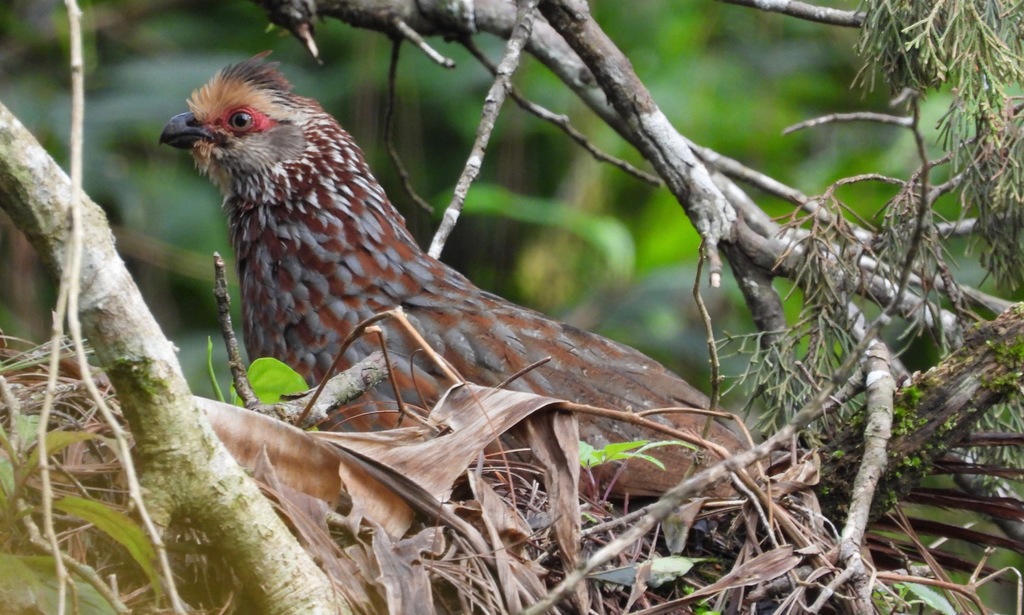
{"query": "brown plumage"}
[(319, 248)]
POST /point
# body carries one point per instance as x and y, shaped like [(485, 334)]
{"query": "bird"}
[(319, 248)]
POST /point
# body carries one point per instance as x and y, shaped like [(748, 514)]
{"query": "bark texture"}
[(938, 409), (184, 468)]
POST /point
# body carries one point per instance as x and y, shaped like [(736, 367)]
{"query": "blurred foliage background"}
[(546, 225)]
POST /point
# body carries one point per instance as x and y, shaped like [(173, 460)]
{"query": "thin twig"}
[(709, 330), (304, 32), (960, 228), (947, 186), (881, 389), (753, 501), (414, 37), (492, 105), (338, 391), (859, 116), (382, 341), (561, 121), (238, 372), (14, 415), (353, 335), (634, 418), (46, 487), (924, 207), (399, 315), (957, 589), (389, 131), (519, 374), (72, 278), (616, 522), (803, 10)]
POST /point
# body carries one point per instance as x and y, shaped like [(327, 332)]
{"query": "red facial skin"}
[(258, 123)]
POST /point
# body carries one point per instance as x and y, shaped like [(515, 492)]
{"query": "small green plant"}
[(623, 451), (591, 457), (271, 379), (922, 595), (210, 371), (701, 608)]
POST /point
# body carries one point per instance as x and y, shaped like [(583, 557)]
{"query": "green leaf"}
[(619, 450), (6, 482), (118, 526), (654, 460), (210, 370), (932, 598), (27, 428), (29, 585), (57, 441), (271, 379), (667, 569), (589, 457)]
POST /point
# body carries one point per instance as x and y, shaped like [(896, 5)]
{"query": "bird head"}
[(242, 123)]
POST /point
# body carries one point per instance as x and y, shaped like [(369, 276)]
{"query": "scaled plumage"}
[(319, 248)]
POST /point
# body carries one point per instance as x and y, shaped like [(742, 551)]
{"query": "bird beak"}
[(184, 131)]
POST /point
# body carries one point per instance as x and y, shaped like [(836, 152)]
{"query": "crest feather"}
[(252, 83)]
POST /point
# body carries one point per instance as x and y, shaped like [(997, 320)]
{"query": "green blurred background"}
[(545, 226)]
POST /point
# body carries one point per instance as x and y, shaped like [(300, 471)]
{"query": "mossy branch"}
[(931, 415), (184, 468)]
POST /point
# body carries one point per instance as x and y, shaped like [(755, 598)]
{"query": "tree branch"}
[(186, 471), (667, 150), (492, 106), (938, 409), (803, 10)]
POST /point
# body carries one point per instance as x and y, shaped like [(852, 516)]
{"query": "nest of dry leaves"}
[(411, 521)]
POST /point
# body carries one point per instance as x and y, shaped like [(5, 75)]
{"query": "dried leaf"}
[(799, 477), (300, 460), (677, 525), (474, 416), (508, 528), (308, 516), (376, 494), (764, 567), (402, 572), (554, 439), (502, 525), (643, 572)]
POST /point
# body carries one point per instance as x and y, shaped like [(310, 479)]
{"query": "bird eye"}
[(240, 120)]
